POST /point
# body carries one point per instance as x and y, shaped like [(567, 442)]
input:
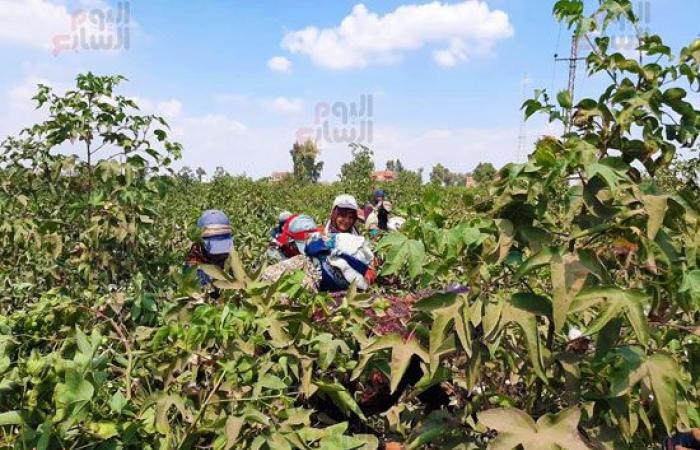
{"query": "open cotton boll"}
[(574, 333)]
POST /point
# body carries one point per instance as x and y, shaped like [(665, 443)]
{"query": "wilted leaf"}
[(568, 278)]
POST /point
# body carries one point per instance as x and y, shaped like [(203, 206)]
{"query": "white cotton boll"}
[(647, 310), (574, 333)]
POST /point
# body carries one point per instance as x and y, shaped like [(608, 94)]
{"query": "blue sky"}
[(446, 78)]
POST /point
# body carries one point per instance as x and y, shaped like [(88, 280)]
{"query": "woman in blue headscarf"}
[(215, 245)]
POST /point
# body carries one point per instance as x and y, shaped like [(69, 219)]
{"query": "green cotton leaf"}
[(11, 418), (160, 134), (545, 155), (278, 442), (83, 343), (607, 337), (550, 432), (339, 441), (117, 402), (505, 239), (214, 272), (328, 348), (436, 301), (564, 99), (340, 397), (276, 330), (401, 353), (656, 207), (528, 325), (415, 253), (663, 374), (531, 106), (232, 430), (612, 170), (674, 95), (539, 259), (236, 264), (75, 389), (402, 251), (616, 302), (691, 284), (513, 425), (472, 236), (628, 371), (272, 382), (439, 343), (532, 303), (163, 405), (104, 430), (492, 316), (434, 427)]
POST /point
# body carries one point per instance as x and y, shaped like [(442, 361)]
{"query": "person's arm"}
[(318, 247), (684, 441)]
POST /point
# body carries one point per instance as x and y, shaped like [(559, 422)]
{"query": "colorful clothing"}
[(197, 256)]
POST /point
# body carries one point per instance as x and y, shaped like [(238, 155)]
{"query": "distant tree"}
[(395, 166), (484, 172), (458, 179), (441, 175), (186, 173), (304, 157), (410, 177), (201, 173), (220, 172), (356, 174)]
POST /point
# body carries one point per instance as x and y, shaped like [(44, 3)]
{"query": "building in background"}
[(279, 176), (383, 175), (469, 181)]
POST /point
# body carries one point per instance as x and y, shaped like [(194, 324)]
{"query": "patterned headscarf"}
[(332, 223)]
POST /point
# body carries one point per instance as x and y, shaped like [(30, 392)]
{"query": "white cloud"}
[(32, 23), (285, 105), (261, 147), (280, 64), (21, 94), (48, 25), (364, 38), (169, 109), (214, 123), (452, 55), (440, 133)]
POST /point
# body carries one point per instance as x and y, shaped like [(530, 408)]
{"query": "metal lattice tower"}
[(572, 67), (573, 59)]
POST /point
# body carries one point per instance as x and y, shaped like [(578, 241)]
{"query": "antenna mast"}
[(573, 59)]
